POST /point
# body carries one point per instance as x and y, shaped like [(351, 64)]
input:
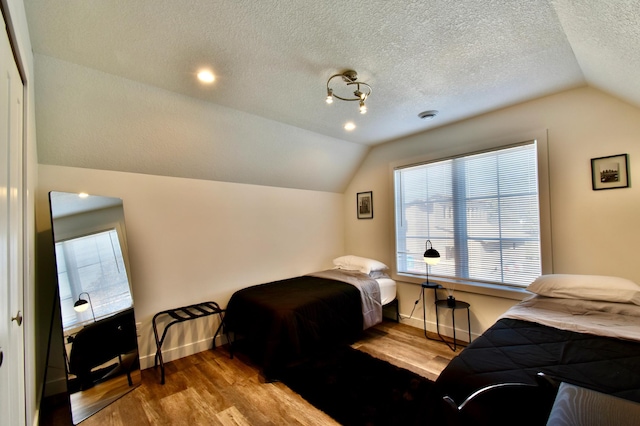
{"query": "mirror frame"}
[(83, 403)]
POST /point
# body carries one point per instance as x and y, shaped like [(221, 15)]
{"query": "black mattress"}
[(282, 322), (515, 350)]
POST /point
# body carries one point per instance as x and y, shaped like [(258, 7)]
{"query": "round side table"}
[(457, 304), (426, 286)]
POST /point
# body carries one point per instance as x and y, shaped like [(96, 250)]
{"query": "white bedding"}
[(619, 320), (369, 292), (372, 298), (387, 290)]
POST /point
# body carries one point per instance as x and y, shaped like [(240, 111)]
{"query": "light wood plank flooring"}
[(86, 402), (208, 388)]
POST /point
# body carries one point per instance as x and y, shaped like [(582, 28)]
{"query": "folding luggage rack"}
[(185, 313)]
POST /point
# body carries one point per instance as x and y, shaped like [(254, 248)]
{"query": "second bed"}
[(282, 322)]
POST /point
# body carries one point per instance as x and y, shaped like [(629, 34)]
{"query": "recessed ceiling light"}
[(349, 126), (206, 76)]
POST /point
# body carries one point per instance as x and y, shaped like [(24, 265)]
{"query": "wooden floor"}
[(86, 402), (209, 388)]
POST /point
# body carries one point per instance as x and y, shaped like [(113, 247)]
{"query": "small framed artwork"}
[(365, 205), (610, 172)]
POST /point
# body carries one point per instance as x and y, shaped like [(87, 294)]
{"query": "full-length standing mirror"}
[(96, 302)]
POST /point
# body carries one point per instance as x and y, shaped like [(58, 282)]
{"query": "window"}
[(480, 211), (92, 264)]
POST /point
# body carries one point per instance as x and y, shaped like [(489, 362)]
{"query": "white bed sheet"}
[(387, 290), (619, 320)]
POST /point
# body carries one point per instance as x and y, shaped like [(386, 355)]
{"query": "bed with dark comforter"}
[(591, 343), (281, 322)]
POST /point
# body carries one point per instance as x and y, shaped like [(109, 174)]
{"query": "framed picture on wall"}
[(365, 205), (610, 172)]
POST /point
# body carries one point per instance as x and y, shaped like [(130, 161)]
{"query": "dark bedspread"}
[(515, 350), (281, 322)]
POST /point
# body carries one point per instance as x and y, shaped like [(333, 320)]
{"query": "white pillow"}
[(587, 287), (356, 263)]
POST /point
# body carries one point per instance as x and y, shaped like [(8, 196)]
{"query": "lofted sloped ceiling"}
[(272, 59)]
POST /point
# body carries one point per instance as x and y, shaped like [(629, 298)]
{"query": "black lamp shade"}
[(81, 305), (431, 255)]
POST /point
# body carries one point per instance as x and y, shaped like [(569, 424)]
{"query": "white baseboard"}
[(171, 354), (56, 386), (445, 330)]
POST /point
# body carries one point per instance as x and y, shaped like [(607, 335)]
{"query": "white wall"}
[(193, 240), (593, 232)]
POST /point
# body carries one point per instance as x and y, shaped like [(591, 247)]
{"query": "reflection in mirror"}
[(96, 304), (92, 267)]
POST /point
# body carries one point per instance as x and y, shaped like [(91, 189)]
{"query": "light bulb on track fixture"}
[(349, 78)]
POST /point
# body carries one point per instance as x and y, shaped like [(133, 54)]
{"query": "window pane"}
[(425, 211), (481, 176), (92, 264), (480, 212)]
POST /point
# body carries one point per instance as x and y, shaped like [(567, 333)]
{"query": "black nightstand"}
[(457, 304), (427, 285)]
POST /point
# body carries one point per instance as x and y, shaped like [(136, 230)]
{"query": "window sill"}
[(486, 289)]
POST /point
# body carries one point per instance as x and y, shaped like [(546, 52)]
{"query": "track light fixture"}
[(349, 78)]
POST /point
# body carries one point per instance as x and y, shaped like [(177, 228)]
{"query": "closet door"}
[(12, 386)]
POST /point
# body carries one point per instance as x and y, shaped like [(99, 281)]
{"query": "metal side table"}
[(457, 304), (425, 286)]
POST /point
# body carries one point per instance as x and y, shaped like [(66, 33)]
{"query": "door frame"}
[(16, 273)]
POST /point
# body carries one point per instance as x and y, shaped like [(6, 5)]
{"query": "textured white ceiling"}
[(272, 58)]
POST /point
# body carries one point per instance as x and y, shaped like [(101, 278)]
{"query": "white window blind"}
[(93, 264), (479, 211)]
